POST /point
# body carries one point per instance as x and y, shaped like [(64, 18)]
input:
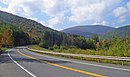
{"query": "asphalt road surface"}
[(23, 63)]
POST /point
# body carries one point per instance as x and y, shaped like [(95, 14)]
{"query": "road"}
[(23, 63)]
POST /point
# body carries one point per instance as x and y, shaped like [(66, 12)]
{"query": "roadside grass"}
[(38, 48), (76, 51), (66, 50), (3, 49)]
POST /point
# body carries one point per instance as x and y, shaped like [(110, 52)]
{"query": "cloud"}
[(90, 10), (53, 8), (55, 21), (122, 13), (105, 23), (3, 1), (128, 6), (77, 11), (36, 19)]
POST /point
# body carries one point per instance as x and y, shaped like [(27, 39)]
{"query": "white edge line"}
[(87, 63), (21, 66)]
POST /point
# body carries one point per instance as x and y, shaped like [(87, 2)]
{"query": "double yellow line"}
[(61, 66)]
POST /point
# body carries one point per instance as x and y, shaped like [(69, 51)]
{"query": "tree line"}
[(61, 39), (61, 42), (12, 36)]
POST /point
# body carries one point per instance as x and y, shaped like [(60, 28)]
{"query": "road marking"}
[(21, 66), (64, 67), (103, 66)]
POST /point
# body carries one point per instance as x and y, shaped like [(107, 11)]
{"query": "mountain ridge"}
[(121, 32), (33, 28), (90, 30)]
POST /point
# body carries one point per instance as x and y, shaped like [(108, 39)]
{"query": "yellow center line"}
[(64, 67)]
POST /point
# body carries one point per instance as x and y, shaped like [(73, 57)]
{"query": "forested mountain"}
[(15, 31), (33, 28), (88, 30), (24, 31), (121, 32)]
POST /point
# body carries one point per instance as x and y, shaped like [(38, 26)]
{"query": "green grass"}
[(3, 49), (79, 51), (74, 50), (38, 48)]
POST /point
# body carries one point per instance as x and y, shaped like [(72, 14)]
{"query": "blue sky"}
[(61, 14)]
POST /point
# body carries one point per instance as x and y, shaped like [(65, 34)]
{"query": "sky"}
[(61, 14)]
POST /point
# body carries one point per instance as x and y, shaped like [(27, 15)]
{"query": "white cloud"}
[(55, 21), (54, 7), (105, 23), (86, 12), (93, 11), (36, 19), (27, 8), (119, 11), (122, 13), (3, 1), (90, 10), (21, 7), (128, 6)]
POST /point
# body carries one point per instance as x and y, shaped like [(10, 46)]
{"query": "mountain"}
[(33, 28), (88, 30), (120, 32), (23, 29)]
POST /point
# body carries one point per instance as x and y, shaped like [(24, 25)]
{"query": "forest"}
[(92, 46), (11, 36), (17, 31)]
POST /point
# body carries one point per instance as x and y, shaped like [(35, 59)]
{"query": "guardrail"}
[(122, 59)]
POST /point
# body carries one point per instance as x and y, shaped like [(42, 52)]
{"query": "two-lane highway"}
[(38, 65)]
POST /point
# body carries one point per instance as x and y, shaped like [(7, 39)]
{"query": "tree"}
[(0, 44), (21, 38), (7, 38), (96, 38), (91, 44)]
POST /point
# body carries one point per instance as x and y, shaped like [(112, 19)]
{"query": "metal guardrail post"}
[(98, 60), (122, 62)]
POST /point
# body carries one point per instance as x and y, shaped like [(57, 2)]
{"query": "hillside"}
[(119, 32), (35, 33), (88, 30), (33, 28)]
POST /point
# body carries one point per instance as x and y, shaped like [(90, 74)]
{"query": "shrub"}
[(51, 48), (56, 47), (42, 44), (64, 47)]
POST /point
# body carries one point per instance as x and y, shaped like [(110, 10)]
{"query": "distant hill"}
[(89, 30), (33, 28), (120, 32)]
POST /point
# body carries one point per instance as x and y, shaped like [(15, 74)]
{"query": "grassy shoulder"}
[(78, 51), (63, 49), (74, 50), (38, 48), (3, 49)]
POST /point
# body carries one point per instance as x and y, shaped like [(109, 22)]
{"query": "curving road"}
[(23, 63)]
